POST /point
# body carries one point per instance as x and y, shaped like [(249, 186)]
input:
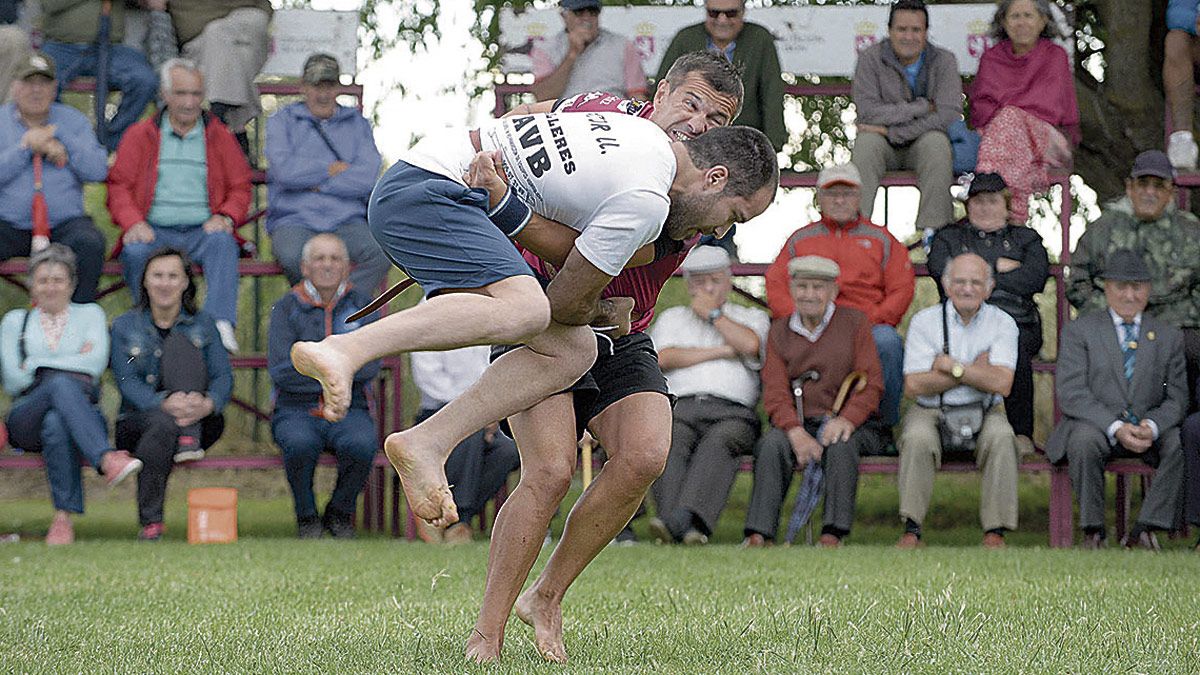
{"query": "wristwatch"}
[(957, 370), (714, 315)]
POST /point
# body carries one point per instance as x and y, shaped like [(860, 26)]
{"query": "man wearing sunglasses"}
[(584, 57)]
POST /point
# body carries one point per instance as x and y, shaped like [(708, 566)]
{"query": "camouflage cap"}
[(320, 68), (813, 267)]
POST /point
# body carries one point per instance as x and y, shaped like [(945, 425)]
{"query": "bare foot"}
[(423, 477), (481, 649), (332, 369), (545, 616)]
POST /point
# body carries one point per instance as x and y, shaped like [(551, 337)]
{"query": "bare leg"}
[(1177, 78), (636, 432), (509, 311), (516, 381), (545, 436)]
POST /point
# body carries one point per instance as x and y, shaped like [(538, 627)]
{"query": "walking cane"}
[(41, 215), (585, 457)]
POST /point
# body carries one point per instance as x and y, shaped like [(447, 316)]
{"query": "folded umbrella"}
[(41, 214), (100, 96)]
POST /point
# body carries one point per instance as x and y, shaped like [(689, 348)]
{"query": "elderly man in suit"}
[(1123, 390)]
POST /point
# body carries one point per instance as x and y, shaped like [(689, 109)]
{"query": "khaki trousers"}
[(230, 51), (995, 455), (929, 156)]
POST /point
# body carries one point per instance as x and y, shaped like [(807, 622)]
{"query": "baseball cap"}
[(576, 5), (813, 267), (704, 259), (839, 173), (1153, 163), (37, 64), (320, 68)]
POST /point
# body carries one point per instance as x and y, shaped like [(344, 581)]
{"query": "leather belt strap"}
[(396, 289)]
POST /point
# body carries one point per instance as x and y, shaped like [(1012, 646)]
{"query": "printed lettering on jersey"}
[(598, 101)]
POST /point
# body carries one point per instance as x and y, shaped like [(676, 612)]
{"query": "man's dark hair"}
[(189, 294), (908, 6), (716, 70), (745, 151)]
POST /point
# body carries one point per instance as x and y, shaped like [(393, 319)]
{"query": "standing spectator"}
[(34, 130), (53, 355), (71, 28), (1020, 267), (710, 352), (908, 93), (1179, 81), (584, 57), (179, 180), (1023, 102), (14, 46), (478, 466), (324, 165), (228, 39), (1148, 222), (1120, 382), (315, 308), (174, 378), (975, 370), (876, 276), (831, 343)]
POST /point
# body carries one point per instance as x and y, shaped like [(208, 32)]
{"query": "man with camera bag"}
[(958, 363)]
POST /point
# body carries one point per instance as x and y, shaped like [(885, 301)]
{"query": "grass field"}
[(273, 604)]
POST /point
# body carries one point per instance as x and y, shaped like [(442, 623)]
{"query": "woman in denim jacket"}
[(174, 377)]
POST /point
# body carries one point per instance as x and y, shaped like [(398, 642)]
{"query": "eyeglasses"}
[(728, 13)]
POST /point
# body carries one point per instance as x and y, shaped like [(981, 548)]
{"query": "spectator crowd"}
[(830, 359)]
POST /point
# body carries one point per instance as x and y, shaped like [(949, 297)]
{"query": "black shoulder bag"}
[(958, 425)]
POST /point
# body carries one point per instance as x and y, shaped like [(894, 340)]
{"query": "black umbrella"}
[(102, 51)]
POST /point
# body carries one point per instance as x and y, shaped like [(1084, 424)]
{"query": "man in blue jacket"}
[(323, 166), (313, 309)]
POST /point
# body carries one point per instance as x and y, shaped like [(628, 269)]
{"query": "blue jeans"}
[(217, 253), (128, 73), (59, 419), (302, 438), (891, 357)]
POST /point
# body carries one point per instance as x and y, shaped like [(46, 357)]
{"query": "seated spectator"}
[(315, 308), (815, 350), (477, 467), (1179, 82), (959, 359), (1147, 221), (71, 31), (174, 378), (584, 57), (710, 352), (14, 46), (228, 40), (1020, 267), (1023, 102), (180, 181), (876, 276), (53, 356), (324, 165), (1120, 383), (37, 134), (908, 93)]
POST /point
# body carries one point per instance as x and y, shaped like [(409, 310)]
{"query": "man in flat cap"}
[(1147, 221), (877, 278), (710, 352), (809, 355), (584, 57), (323, 166), (1120, 383)]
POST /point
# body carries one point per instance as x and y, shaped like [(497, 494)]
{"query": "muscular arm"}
[(575, 291)]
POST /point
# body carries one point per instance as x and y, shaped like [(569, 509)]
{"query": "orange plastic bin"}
[(212, 515)]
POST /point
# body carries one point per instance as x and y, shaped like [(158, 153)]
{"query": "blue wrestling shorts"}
[(438, 232), (1181, 15)]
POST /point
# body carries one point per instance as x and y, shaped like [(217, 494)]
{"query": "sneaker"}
[(829, 540), (228, 339), (151, 532), (309, 528), (694, 538), (337, 525), (625, 537), (1182, 150), (993, 540), (909, 541), (755, 540), (194, 454), (661, 532), (117, 465), (61, 531)]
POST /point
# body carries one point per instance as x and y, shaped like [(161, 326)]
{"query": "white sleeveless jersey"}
[(605, 174)]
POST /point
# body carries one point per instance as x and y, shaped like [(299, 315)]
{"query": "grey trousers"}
[(370, 264), (708, 437), (230, 52), (14, 47), (1087, 452), (929, 156), (775, 464)]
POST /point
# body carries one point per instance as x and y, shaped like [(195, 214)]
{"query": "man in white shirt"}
[(711, 352), (976, 371)]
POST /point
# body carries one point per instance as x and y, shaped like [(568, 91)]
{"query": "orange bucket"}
[(212, 515)]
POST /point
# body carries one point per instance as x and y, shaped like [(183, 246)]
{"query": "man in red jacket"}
[(876, 275), (180, 180)]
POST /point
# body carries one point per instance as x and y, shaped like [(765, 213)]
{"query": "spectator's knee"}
[(222, 243)]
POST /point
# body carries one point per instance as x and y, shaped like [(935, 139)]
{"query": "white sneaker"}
[(1182, 150), (228, 339)]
